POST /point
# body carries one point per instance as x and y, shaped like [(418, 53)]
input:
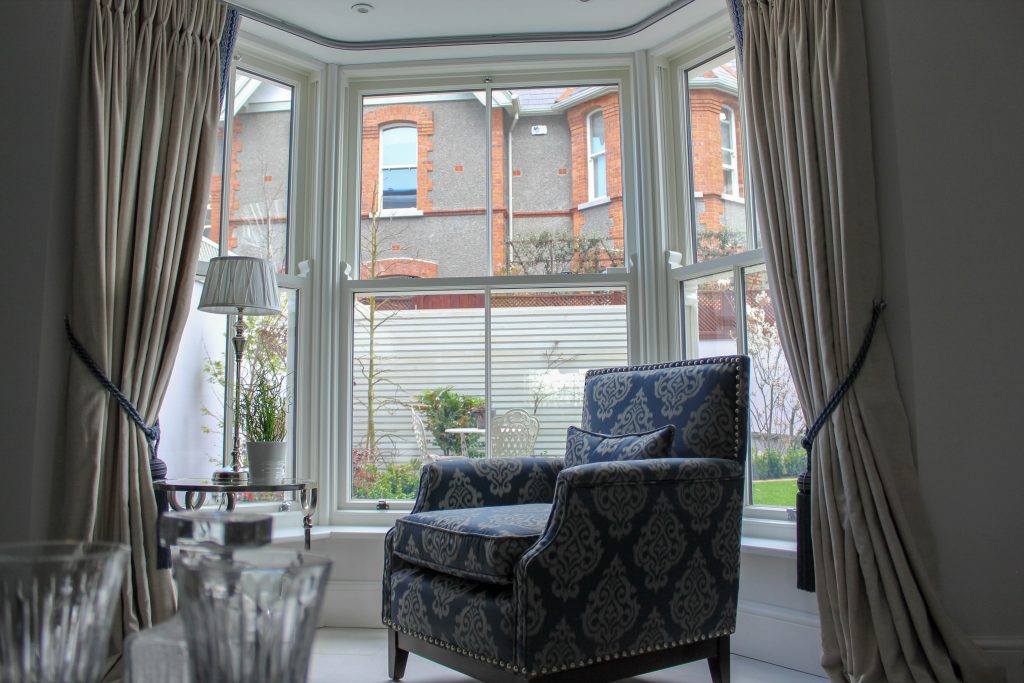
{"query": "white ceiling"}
[(331, 31)]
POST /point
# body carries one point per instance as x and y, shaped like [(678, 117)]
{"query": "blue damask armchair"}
[(620, 559)]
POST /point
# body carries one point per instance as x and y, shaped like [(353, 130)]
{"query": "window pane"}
[(399, 188), (192, 418), (398, 146), (597, 133), (709, 316), (542, 186), (600, 176), (443, 147), (719, 214), (192, 415), (210, 247), (260, 163), (418, 360), (543, 342), (776, 420)]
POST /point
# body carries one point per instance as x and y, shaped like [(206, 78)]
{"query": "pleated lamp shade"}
[(245, 282)]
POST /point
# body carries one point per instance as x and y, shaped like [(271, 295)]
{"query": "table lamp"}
[(239, 285)]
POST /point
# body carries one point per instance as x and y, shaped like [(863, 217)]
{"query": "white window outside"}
[(728, 120), (398, 149), (597, 166)]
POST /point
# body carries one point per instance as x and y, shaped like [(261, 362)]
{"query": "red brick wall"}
[(373, 120), (577, 119), (400, 266), (706, 141), (499, 223)]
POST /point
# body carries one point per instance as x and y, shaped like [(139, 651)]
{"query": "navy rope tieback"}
[(157, 467), (804, 556)]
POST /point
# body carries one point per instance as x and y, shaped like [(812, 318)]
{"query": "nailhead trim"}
[(565, 667), (717, 360)]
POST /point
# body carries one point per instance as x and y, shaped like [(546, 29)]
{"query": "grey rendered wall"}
[(946, 110), (38, 46)]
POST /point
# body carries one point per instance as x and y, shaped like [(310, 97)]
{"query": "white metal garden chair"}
[(515, 433), (422, 439)]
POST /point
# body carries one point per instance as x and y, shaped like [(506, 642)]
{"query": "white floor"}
[(349, 655)]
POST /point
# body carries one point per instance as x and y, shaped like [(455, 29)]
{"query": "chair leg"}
[(719, 664), (397, 657)]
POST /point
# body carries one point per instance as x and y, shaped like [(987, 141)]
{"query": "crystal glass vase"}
[(57, 604), (250, 616)]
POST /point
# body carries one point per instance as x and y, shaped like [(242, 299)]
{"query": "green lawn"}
[(775, 492)]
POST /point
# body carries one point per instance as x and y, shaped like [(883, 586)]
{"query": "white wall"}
[(947, 109), (39, 81)]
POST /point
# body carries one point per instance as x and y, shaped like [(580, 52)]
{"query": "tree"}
[(774, 406), (547, 253)]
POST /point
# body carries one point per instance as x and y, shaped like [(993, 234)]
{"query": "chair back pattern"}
[(515, 433), (706, 399)]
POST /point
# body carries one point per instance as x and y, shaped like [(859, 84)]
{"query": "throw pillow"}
[(582, 447)]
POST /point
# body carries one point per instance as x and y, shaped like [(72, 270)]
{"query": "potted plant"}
[(264, 415)]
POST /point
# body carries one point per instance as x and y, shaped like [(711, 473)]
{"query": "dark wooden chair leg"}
[(719, 664), (397, 657)]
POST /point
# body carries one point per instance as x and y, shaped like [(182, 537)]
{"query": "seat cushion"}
[(583, 447), (481, 544)]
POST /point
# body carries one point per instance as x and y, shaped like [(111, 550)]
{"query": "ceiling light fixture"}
[(362, 7)]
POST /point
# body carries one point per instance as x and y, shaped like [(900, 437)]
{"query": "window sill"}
[(600, 201), (735, 199), (399, 213)]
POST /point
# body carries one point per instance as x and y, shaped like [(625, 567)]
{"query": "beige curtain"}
[(805, 86), (147, 138)]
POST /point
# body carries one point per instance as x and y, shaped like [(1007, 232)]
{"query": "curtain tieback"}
[(152, 432), (804, 556)]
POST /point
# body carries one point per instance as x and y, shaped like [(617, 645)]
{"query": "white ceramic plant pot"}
[(268, 461)]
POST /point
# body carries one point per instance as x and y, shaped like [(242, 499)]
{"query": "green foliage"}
[(712, 244), (389, 481), (547, 253), (264, 405), (444, 408), (771, 463)]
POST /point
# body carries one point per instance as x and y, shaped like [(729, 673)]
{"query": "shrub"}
[(768, 464), (445, 408), (794, 460), (391, 481)]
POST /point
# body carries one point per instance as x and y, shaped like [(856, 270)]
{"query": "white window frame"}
[(759, 521), (396, 82), (303, 76), (407, 210), (732, 188), (592, 158)]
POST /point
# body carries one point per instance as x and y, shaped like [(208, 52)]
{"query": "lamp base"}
[(226, 475)]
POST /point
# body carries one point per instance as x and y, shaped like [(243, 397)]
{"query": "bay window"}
[(496, 294), (250, 213), (725, 303)]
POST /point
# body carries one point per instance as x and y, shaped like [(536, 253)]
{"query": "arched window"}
[(597, 166), (728, 121), (398, 167)]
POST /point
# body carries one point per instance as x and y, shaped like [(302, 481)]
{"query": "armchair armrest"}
[(470, 483), (637, 556)]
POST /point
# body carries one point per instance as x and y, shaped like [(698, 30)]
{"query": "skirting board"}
[(1007, 652), (778, 635)]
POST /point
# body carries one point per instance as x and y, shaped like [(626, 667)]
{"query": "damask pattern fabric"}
[(582, 447), (636, 556), (643, 553), (469, 615), (473, 483), (481, 544), (706, 400)]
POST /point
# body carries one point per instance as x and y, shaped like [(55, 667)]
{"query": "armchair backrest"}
[(706, 399)]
